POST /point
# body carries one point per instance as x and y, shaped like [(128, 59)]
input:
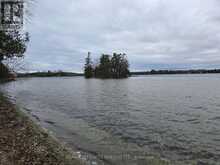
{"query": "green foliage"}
[(12, 44), (115, 66), (103, 70), (88, 70), (119, 66)]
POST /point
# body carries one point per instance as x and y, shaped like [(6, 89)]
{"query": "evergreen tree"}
[(124, 70), (115, 66), (119, 66), (88, 69), (104, 68)]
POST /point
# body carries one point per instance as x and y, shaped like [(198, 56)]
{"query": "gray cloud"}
[(153, 33)]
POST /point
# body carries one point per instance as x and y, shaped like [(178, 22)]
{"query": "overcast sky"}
[(155, 34)]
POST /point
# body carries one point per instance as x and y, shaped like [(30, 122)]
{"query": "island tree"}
[(88, 69), (115, 66), (120, 66), (103, 70)]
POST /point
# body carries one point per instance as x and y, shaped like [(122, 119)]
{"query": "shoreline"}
[(132, 73), (22, 142)]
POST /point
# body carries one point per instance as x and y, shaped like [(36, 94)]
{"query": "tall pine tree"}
[(88, 69)]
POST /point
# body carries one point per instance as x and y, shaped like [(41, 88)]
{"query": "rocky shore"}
[(24, 143)]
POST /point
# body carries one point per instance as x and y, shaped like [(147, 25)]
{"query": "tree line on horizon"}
[(109, 66), (179, 71)]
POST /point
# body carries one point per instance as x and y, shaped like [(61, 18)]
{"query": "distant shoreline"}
[(49, 74), (152, 72), (163, 72)]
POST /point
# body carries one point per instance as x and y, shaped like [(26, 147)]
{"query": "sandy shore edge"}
[(22, 142)]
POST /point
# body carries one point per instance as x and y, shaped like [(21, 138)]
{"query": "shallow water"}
[(176, 117)]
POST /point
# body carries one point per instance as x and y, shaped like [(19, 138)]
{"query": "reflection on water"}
[(175, 117)]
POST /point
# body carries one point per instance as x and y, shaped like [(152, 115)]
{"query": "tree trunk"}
[(4, 71)]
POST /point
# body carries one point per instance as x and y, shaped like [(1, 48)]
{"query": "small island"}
[(115, 66)]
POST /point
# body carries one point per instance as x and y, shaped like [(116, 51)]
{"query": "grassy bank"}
[(23, 143)]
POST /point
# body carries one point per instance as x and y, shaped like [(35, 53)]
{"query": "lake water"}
[(176, 117)]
